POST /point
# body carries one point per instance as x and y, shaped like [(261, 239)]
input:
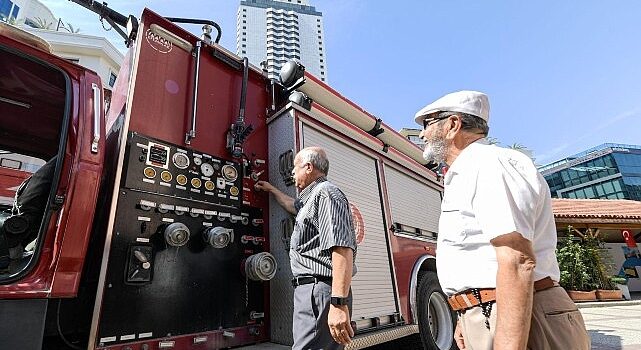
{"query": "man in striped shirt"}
[(322, 253)]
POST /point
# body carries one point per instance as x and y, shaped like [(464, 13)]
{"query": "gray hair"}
[(316, 156), (469, 121)]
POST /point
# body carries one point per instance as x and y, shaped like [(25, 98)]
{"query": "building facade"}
[(608, 171), (30, 12), (271, 32)]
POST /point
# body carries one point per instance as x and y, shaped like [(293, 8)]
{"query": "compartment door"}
[(356, 174)]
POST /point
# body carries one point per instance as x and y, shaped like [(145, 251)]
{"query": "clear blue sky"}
[(561, 76)]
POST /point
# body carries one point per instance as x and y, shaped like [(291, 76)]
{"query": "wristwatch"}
[(338, 301)]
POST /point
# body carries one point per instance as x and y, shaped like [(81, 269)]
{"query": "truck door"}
[(51, 153)]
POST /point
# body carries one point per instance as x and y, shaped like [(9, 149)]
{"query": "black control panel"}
[(184, 258), (158, 167)]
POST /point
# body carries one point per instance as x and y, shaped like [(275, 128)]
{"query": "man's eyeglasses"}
[(429, 121)]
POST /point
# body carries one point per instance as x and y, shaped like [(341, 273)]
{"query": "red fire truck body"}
[(153, 236)]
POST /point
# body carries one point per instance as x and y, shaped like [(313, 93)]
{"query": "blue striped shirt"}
[(323, 221)]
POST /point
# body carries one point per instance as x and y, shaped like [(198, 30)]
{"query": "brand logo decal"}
[(359, 225), (157, 42)]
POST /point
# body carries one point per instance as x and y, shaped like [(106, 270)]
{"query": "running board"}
[(382, 336), (359, 342)]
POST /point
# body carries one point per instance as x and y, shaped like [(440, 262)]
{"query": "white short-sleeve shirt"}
[(492, 191)]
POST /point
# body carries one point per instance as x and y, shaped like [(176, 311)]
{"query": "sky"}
[(562, 76)]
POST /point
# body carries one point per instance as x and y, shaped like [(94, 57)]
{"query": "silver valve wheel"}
[(219, 237), (177, 234)]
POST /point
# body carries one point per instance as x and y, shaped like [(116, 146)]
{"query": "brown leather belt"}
[(466, 300)]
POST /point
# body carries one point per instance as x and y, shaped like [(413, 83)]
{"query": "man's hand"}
[(284, 200), (264, 186), (458, 336), (339, 324)]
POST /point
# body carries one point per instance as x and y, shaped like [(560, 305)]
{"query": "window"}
[(244, 45), (5, 9), (14, 12), (112, 79)]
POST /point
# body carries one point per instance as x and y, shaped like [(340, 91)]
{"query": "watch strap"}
[(339, 301)]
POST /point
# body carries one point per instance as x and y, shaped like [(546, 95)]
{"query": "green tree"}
[(70, 28), (41, 23)]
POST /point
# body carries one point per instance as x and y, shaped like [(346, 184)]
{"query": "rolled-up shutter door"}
[(355, 173)]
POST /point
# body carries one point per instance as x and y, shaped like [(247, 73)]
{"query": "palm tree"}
[(492, 140), (70, 28), (42, 23)]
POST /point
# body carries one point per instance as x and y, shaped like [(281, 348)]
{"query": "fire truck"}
[(149, 233)]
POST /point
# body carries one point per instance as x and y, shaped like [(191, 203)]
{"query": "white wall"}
[(616, 251), (95, 53), (34, 8)]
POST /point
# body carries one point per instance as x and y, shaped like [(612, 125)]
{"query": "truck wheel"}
[(436, 320)]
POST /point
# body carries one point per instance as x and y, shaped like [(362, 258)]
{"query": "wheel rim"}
[(440, 321)]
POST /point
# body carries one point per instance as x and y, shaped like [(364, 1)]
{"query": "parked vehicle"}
[(152, 236)]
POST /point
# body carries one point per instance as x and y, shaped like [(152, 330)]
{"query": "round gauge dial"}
[(209, 185), (181, 179), (207, 169), (233, 191), (198, 161), (196, 183), (150, 172), (230, 173), (181, 161), (166, 176)]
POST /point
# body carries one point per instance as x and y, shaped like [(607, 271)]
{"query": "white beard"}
[(435, 150)]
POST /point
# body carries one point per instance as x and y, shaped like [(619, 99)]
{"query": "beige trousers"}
[(557, 324)]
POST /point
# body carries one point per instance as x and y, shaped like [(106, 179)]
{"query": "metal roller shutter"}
[(355, 174), (412, 202)]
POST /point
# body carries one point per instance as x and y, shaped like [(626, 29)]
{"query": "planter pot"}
[(625, 291), (605, 294), (582, 296)]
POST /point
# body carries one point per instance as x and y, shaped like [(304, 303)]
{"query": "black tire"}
[(436, 320)]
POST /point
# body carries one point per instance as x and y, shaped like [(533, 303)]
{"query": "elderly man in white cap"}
[(496, 245)]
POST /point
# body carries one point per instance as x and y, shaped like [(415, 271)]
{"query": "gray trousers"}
[(311, 306)]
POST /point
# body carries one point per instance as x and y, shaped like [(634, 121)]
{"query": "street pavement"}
[(614, 325)]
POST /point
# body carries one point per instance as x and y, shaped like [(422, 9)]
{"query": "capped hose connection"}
[(261, 267)]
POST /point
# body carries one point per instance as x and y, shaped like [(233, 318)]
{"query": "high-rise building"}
[(608, 171), (271, 32)]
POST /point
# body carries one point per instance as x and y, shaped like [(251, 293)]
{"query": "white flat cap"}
[(469, 102)]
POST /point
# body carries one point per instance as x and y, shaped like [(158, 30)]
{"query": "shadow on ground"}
[(605, 340)]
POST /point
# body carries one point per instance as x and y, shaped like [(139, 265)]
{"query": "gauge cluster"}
[(167, 169)]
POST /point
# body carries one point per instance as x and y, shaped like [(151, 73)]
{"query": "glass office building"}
[(608, 171)]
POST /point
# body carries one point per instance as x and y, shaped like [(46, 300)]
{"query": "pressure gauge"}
[(197, 161), (230, 173), (196, 183), (181, 179), (181, 161), (166, 176), (209, 185), (150, 172), (207, 169)]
